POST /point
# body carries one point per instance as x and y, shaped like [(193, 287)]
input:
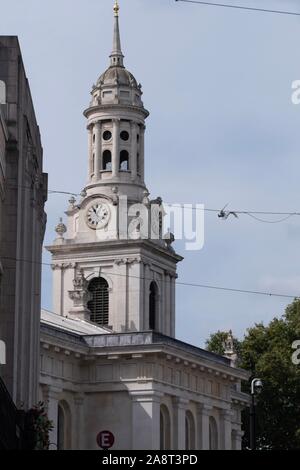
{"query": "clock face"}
[(98, 215)]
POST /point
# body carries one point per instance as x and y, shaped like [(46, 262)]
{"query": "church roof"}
[(116, 74), (71, 325)]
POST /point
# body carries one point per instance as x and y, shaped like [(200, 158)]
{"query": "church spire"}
[(116, 57)]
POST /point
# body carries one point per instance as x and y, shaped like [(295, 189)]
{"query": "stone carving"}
[(230, 352), (169, 240), (229, 347), (62, 266), (80, 296), (115, 198), (80, 283), (128, 261), (60, 229), (72, 202)]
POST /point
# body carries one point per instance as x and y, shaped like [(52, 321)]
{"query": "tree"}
[(216, 343), (266, 351)]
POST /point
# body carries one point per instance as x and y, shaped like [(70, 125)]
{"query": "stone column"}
[(90, 150), (167, 304), (203, 413), (180, 407), (142, 152), (225, 429), (237, 439), (119, 319), (78, 435), (58, 288), (97, 150), (145, 420), (133, 160), (147, 277), (172, 307), (116, 147), (51, 399)]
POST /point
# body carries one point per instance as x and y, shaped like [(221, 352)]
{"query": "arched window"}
[(124, 160), (106, 159), (213, 434), (189, 431), (63, 426), (153, 306), (99, 304), (165, 428)]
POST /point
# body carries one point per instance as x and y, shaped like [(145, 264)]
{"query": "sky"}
[(222, 129)]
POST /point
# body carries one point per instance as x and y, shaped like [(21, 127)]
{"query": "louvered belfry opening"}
[(99, 304)]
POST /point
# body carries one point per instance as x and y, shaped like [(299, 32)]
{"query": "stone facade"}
[(109, 357), (23, 190), (126, 383)]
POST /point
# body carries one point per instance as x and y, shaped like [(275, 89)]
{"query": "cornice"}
[(122, 107), (84, 248)]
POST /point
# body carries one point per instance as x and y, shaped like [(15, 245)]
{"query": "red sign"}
[(105, 439)]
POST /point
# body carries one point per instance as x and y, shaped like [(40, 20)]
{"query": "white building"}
[(109, 357)]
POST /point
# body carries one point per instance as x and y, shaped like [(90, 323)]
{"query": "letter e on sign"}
[(105, 439)]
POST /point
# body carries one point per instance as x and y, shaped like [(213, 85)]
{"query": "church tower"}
[(112, 263)]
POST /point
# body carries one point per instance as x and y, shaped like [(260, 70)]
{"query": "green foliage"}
[(40, 426), (266, 352), (216, 343)]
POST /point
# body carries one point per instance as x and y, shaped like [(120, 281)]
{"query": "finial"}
[(116, 8), (60, 229), (116, 57)]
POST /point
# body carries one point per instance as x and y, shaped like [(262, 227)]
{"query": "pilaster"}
[(97, 150), (225, 429), (116, 147), (180, 406), (146, 420), (203, 414), (51, 398), (90, 151), (133, 165)]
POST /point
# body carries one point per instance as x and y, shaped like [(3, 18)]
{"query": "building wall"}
[(3, 140), (125, 394), (129, 271), (22, 226)]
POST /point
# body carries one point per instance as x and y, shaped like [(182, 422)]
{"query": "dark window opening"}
[(106, 165), (106, 135), (189, 431), (124, 135), (99, 304), (153, 299), (60, 429), (124, 160)]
